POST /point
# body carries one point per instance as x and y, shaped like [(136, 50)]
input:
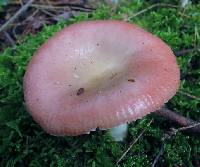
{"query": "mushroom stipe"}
[(122, 74)]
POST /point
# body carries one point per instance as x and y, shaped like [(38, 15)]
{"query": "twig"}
[(187, 125), (68, 3), (151, 7), (194, 128), (21, 3), (23, 22), (49, 3), (16, 15), (158, 156), (185, 51), (49, 7), (189, 95), (52, 3), (81, 8), (124, 154), (47, 13), (12, 42), (184, 15)]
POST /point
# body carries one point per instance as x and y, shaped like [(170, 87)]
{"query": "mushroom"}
[(98, 74)]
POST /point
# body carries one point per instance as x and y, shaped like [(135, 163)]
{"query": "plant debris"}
[(131, 80), (80, 91), (21, 18)]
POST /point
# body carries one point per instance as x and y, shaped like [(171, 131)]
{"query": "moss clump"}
[(24, 143)]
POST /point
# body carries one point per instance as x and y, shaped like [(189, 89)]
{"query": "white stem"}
[(119, 132)]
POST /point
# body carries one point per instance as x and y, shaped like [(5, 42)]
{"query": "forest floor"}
[(151, 141)]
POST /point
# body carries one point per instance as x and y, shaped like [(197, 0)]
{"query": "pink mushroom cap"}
[(98, 74)]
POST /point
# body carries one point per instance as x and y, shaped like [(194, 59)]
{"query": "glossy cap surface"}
[(98, 74)]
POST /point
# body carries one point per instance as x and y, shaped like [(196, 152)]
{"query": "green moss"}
[(23, 143)]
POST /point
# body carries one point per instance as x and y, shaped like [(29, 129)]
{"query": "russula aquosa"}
[(98, 74)]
